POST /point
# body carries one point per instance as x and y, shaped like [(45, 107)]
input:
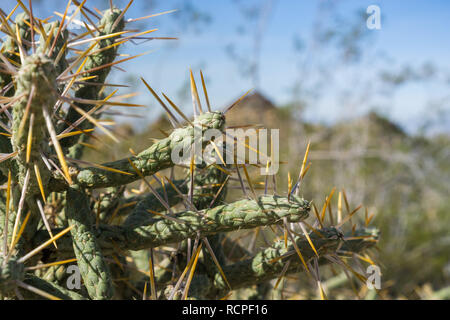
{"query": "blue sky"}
[(412, 32)]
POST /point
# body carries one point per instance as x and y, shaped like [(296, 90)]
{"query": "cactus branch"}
[(269, 263), (94, 270)]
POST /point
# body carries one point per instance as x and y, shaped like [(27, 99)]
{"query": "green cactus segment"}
[(59, 45), (151, 160), (108, 25), (11, 219), (93, 268), (268, 264), (38, 71), (108, 202), (243, 214), (56, 274), (208, 182), (49, 287), (10, 271), (9, 48), (36, 76)]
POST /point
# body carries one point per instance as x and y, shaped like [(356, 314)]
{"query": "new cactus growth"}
[(57, 211)]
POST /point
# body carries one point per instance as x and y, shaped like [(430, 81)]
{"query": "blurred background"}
[(374, 103)]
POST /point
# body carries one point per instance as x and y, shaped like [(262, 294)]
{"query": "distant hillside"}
[(254, 109)]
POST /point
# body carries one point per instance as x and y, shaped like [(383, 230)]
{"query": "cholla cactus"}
[(58, 210)]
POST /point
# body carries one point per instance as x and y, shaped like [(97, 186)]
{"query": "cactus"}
[(176, 238)]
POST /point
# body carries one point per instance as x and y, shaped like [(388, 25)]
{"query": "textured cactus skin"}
[(243, 214), (93, 268), (10, 46), (149, 161), (9, 272), (154, 232), (37, 71), (207, 183), (107, 228), (106, 25), (3, 217), (62, 38)]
